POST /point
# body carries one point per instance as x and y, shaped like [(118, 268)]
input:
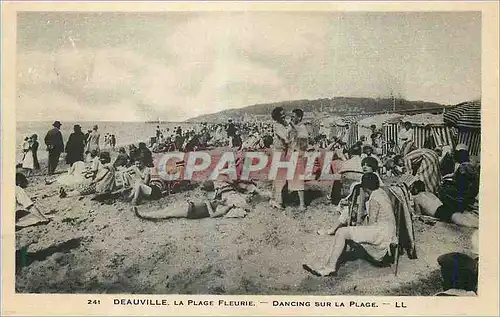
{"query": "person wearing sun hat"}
[(55, 146), (459, 271)]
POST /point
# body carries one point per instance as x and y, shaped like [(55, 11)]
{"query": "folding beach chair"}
[(405, 234), (354, 204)]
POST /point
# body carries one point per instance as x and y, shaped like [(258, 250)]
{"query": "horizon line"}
[(258, 104)]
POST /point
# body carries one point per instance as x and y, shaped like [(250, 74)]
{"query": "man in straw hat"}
[(55, 146)]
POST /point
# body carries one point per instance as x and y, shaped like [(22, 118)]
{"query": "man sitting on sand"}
[(375, 236), (428, 204), (230, 200)]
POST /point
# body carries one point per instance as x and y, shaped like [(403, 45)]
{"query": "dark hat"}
[(458, 270), (57, 123)]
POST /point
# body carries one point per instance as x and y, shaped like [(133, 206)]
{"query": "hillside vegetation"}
[(320, 107)]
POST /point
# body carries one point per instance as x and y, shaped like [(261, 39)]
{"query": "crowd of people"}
[(442, 181)]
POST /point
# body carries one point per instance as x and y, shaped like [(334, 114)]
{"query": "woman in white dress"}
[(28, 161)]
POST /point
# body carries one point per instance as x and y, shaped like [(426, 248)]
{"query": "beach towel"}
[(400, 199)]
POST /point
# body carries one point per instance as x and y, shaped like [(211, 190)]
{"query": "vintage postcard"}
[(247, 158)]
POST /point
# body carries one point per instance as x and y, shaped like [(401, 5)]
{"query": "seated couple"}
[(101, 181), (375, 232), (230, 200)]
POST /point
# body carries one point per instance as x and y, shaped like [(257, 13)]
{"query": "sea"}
[(126, 132)]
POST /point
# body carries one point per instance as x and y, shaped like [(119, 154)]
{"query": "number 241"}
[(93, 301)]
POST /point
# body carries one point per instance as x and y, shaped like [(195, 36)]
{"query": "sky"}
[(142, 66)]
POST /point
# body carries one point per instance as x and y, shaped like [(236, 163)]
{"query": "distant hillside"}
[(319, 108)]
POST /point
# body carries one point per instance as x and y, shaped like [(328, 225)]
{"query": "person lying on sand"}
[(428, 204), (27, 213), (230, 200), (375, 236)]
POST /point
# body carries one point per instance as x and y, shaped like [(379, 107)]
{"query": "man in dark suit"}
[(55, 146)]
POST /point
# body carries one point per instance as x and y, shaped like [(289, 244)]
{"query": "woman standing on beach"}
[(25, 146), (113, 142), (281, 143), (93, 140), (28, 162), (75, 146), (34, 151)]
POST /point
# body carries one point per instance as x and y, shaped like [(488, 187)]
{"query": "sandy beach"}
[(91, 247)]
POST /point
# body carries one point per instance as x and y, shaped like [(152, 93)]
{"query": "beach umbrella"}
[(464, 115)]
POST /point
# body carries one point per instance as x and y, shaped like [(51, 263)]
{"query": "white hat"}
[(461, 146)]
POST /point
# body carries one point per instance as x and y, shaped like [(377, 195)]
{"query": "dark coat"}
[(75, 147), (34, 149), (54, 141)]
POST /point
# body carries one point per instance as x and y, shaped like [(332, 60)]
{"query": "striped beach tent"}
[(464, 115), (443, 135), (440, 133), (389, 132), (353, 133), (339, 129), (472, 139), (420, 135)]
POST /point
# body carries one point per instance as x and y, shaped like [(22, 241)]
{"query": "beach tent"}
[(441, 133), (339, 129), (346, 129), (466, 117), (312, 127), (353, 131)]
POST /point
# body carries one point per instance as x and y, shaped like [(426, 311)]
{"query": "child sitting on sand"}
[(428, 204)]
